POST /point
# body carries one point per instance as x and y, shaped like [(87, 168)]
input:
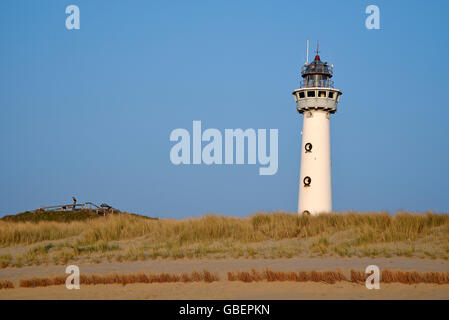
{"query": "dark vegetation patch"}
[(59, 216)]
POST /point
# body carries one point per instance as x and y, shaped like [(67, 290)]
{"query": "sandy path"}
[(222, 266), (233, 290)]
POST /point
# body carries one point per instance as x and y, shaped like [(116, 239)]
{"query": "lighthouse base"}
[(315, 191)]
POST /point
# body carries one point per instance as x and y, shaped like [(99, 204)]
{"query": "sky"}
[(89, 112)]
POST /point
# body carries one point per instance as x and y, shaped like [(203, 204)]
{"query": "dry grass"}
[(12, 233), (405, 277), (329, 277), (274, 235), (6, 284), (302, 276), (358, 276), (124, 279), (5, 260), (374, 227), (413, 277)]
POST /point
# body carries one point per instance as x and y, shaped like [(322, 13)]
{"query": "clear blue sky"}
[(89, 112)]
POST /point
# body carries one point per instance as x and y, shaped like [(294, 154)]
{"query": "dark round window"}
[(307, 180), (308, 147)]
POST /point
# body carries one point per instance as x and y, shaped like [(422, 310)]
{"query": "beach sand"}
[(233, 290)]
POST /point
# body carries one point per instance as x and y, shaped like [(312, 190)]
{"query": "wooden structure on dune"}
[(103, 209)]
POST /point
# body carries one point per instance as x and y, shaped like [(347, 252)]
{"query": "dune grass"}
[(331, 277), (266, 275), (6, 284), (406, 277), (302, 276), (15, 233), (369, 228), (262, 235), (123, 279), (5, 260)]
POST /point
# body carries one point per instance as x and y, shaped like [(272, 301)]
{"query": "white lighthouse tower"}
[(316, 99)]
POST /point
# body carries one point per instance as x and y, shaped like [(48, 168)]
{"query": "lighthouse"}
[(316, 100)]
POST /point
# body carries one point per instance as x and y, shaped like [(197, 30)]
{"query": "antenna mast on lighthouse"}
[(307, 61)]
